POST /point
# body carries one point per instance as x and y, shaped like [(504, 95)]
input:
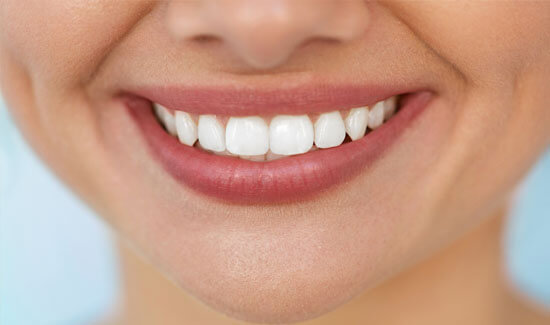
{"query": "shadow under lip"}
[(295, 178)]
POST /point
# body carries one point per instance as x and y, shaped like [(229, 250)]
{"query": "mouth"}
[(246, 147)]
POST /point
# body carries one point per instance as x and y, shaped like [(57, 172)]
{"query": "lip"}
[(293, 178), (239, 101)]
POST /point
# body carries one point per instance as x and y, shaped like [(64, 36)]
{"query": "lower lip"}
[(293, 178)]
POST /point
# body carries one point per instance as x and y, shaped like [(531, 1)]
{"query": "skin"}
[(450, 176)]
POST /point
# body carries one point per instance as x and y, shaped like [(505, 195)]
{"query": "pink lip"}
[(289, 179), (246, 101)]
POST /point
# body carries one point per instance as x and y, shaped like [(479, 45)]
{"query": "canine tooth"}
[(290, 135), (356, 122), (390, 105), (330, 130), (186, 128), (247, 136), (211, 133), (376, 115), (158, 112), (167, 118)]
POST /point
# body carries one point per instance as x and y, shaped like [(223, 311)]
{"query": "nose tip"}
[(265, 33)]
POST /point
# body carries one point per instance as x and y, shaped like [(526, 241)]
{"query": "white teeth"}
[(330, 130), (211, 133), (356, 122), (390, 106), (290, 135), (252, 139), (158, 111), (186, 128), (376, 115), (167, 119), (247, 136)]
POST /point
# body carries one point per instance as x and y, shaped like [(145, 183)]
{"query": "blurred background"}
[(58, 265)]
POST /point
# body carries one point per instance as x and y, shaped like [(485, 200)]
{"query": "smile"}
[(261, 156), (265, 139)]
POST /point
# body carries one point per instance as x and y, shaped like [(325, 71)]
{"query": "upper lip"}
[(243, 101)]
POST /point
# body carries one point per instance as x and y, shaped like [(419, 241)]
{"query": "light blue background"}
[(57, 265)]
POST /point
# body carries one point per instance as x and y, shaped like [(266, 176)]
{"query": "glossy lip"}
[(239, 101), (294, 178)]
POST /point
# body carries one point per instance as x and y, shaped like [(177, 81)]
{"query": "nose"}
[(265, 33)]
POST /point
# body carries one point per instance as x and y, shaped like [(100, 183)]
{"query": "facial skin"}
[(61, 65)]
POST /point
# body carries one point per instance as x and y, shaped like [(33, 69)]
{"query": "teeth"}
[(166, 118), (290, 135), (211, 133), (186, 128), (390, 105), (247, 136), (376, 116), (158, 111), (330, 130), (251, 138), (356, 122)]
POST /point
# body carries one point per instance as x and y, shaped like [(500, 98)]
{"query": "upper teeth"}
[(330, 130), (211, 133), (290, 135), (248, 136), (251, 137)]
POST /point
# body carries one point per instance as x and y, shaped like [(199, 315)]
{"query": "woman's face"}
[(292, 238)]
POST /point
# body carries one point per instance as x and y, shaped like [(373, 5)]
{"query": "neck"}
[(461, 285)]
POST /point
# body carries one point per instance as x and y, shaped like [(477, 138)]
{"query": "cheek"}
[(503, 52), (500, 135), (48, 53), (487, 41), (62, 42)]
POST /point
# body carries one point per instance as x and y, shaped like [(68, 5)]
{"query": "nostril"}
[(206, 38), (320, 40), (265, 34)]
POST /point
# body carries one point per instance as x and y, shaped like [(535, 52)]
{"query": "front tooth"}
[(186, 128), (356, 122), (211, 133), (376, 115), (247, 136), (290, 135), (330, 130), (167, 118), (390, 105)]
